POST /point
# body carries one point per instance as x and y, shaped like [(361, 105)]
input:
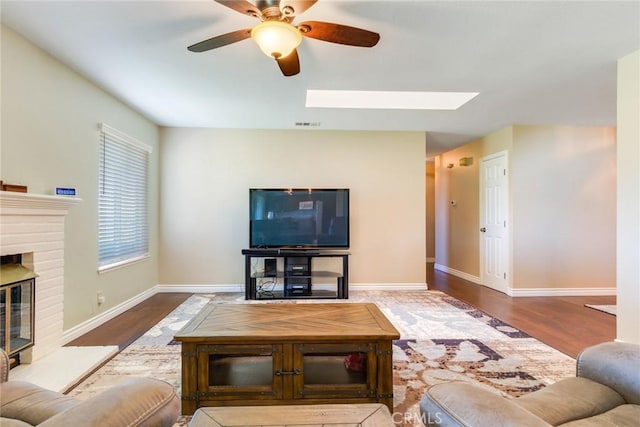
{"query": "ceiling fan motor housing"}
[(271, 10)]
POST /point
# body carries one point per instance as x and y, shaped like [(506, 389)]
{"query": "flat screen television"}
[(299, 218)]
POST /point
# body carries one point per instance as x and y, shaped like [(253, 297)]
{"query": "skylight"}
[(387, 99)]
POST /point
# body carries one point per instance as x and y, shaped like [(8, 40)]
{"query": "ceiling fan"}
[(278, 38)]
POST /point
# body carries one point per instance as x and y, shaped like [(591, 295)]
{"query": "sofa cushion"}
[(609, 364), (463, 404), (570, 399), (32, 404), (10, 422), (622, 416), (140, 402)]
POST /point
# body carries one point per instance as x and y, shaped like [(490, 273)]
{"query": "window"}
[(123, 235)]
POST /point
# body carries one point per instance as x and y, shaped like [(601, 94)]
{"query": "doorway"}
[(494, 224)]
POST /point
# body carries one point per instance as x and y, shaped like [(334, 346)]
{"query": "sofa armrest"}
[(4, 366), (31, 403), (614, 364), (133, 402), (463, 404)]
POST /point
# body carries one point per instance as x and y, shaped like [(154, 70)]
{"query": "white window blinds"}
[(123, 235)]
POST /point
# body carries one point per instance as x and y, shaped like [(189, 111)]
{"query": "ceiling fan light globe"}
[(276, 39)]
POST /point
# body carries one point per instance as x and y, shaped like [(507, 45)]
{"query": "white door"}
[(494, 229)]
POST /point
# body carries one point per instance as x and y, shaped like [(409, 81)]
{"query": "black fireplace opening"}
[(17, 300), (11, 259)]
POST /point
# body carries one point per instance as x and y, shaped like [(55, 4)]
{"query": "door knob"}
[(483, 229)]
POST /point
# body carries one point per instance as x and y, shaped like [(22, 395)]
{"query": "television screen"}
[(299, 218)]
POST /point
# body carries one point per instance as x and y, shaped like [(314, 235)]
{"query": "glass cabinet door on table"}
[(335, 370), (234, 371)]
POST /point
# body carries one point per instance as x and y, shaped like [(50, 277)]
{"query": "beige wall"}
[(49, 139), (430, 181), (628, 266), (205, 184), (562, 207), (457, 226), (564, 203)]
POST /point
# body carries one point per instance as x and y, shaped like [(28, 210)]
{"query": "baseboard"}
[(199, 289), (209, 289), (457, 273), (561, 292), (534, 292), (387, 286), (88, 325)]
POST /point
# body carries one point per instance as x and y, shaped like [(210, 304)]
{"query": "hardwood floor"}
[(124, 329), (563, 323)]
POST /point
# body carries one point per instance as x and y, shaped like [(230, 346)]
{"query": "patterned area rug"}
[(609, 309), (442, 339)]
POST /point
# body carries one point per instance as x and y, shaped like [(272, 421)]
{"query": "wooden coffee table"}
[(363, 415), (286, 354)]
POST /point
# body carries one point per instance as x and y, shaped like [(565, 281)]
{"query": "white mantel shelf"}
[(13, 203)]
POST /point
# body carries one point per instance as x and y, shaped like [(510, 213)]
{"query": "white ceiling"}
[(533, 62)]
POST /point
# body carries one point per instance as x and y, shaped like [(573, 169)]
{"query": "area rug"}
[(442, 339), (610, 309)]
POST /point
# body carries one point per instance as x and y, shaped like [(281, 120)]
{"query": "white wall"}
[(628, 266), (49, 139), (205, 184)]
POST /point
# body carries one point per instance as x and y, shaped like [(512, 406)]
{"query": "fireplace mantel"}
[(33, 225), (12, 203)]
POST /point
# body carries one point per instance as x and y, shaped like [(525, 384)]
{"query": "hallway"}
[(563, 323)]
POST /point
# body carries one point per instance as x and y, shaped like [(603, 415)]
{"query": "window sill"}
[(121, 264)]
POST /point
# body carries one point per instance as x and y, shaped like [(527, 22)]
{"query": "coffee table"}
[(286, 354), (364, 415)]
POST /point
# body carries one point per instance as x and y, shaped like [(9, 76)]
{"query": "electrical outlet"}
[(101, 298)]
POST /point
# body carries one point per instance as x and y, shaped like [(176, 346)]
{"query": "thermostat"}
[(61, 191)]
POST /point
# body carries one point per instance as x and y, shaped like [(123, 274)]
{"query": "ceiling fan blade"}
[(336, 33), (295, 7), (242, 6), (221, 40), (289, 65)]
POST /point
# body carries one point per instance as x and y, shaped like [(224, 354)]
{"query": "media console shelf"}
[(291, 273)]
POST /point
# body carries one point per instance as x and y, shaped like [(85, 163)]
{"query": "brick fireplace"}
[(32, 226)]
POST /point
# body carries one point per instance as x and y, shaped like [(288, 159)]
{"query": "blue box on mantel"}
[(61, 191)]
